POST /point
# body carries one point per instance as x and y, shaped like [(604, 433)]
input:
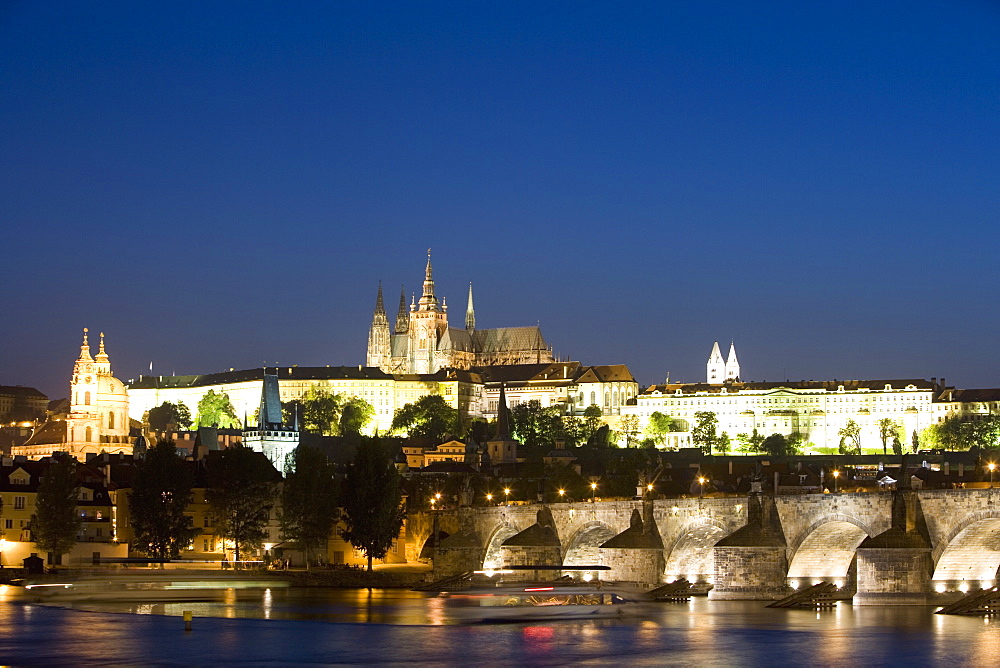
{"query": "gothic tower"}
[(428, 322), (716, 366), (379, 349), (732, 364)]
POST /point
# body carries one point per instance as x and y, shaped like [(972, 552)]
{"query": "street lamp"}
[(489, 498), (433, 501), (506, 495), (593, 492), (836, 474), (992, 467), (649, 487), (562, 494), (702, 481)]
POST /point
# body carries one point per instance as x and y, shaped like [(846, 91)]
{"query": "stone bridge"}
[(894, 547)]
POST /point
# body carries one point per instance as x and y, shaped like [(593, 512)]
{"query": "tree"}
[(775, 445), (592, 415), (240, 495), (723, 443), (428, 417), (215, 410), (983, 433), (355, 415), (703, 434), (915, 440), (535, 425), (321, 411), (850, 438), (630, 429), (794, 442), (373, 508), (161, 491), (309, 500), (160, 417), (947, 434), (750, 442), (56, 522), (887, 430), (572, 430), (659, 426)]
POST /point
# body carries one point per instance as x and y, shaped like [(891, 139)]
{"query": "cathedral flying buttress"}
[(423, 342)]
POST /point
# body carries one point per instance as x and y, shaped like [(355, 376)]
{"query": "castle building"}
[(386, 392), (98, 417), (423, 342)]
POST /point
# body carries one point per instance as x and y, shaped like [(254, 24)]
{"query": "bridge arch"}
[(492, 557), (692, 555), (584, 548), (970, 557), (432, 541), (826, 551)]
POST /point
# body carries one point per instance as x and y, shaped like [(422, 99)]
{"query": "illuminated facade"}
[(422, 341), (816, 409), (98, 418), (385, 392)]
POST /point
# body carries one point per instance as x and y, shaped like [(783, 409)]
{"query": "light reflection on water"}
[(280, 626)]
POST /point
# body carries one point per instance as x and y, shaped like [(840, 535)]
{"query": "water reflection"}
[(394, 626)]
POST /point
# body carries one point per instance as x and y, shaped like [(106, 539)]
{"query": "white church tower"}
[(732, 364), (716, 366)]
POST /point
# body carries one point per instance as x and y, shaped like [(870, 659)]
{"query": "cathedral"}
[(423, 342)]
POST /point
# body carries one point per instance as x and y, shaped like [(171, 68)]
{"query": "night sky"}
[(216, 185)]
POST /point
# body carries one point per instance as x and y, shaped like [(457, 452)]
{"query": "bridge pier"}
[(636, 554), (751, 563), (895, 567), (538, 545)]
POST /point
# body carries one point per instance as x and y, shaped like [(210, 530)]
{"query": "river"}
[(327, 626)]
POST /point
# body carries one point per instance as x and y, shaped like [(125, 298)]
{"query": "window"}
[(86, 400), (8, 524), (111, 420), (18, 503)]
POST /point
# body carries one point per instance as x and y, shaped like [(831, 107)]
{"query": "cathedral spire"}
[(428, 301), (379, 304), (470, 313), (403, 315), (85, 349)]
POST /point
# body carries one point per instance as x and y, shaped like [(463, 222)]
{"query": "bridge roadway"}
[(820, 538)]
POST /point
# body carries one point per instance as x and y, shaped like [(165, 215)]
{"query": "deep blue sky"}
[(218, 186)]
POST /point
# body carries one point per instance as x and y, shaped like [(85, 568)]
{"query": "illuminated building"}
[(423, 342), (271, 435), (98, 417)]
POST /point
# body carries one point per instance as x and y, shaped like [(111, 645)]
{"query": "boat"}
[(146, 587), (539, 602)]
